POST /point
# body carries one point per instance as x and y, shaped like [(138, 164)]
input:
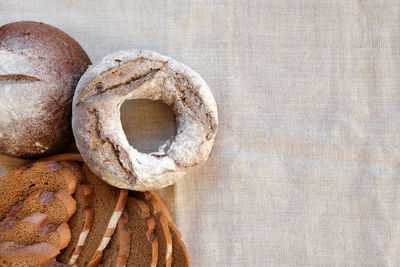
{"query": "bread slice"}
[(108, 203), (69, 160), (34, 229), (18, 184), (117, 252), (165, 210), (75, 168), (144, 243), (112, 224), (55, 263), (59, 207), (162, 230), (12, 254), (180, 256), (80, 224)]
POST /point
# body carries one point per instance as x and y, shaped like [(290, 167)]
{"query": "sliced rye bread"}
[(117, 252), (55, 263), (108, 203), (180, 256), (39, 254), (80, 224), (162, 230), (144, 243), (156, 196), (34, 229), (112, 224), (75, 168), (59, 207), (18, 184)]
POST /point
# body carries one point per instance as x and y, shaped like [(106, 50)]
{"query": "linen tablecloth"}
[(305, 170)]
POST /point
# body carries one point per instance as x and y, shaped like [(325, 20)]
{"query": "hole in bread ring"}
[(142, 74)]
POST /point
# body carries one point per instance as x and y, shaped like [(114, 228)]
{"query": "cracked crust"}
[(39, 68), (142, 74)]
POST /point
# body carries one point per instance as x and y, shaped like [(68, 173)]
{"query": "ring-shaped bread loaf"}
[(142, 74)]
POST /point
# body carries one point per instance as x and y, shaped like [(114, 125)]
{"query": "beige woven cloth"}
[(305, 169)]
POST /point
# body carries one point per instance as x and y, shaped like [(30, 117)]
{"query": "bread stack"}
[(57, 213), (36, 204)]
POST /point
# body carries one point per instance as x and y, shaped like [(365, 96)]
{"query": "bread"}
[(112, 224), (34, 229), (59, 207), (39, 68), (80, 223), (155, 241), (161, 230), (180, 256), (144, 243), (146, 234), (54, 263), (12, 254), (18, 184), (135, 74), (108, 203), (117, 252)]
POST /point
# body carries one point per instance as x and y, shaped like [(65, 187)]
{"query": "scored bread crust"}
[(142, 74), (89, 214), (39, 68), (30, 256), (95, 259)]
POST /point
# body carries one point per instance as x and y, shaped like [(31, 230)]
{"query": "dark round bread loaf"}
[(39, 68)]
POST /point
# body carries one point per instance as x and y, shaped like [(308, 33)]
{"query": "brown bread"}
[(18, 184), (117, 252), (75, 168), (162, 230), (144, 243), (55, 263), (180, 256), (34, 229), (39, 68), (59, 207), (80, 223), (108, 203), (142, 74), (12, 254)]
